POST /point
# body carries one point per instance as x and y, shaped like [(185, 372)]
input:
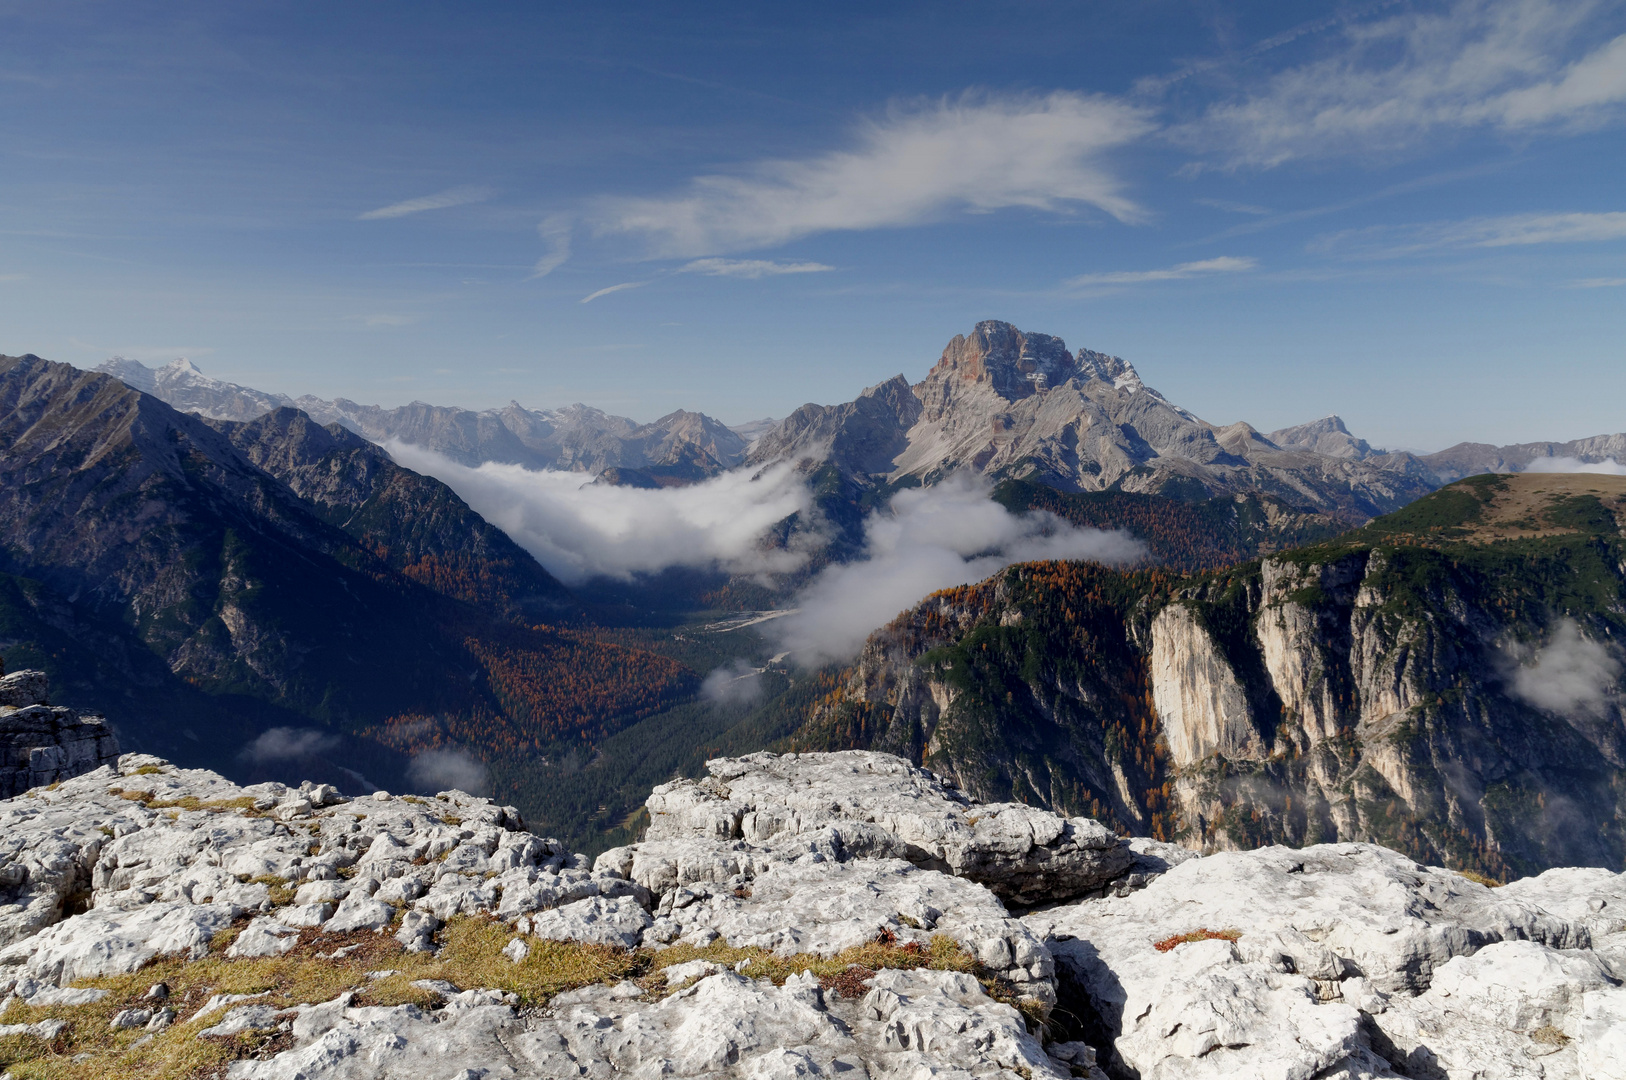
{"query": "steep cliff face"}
[(1454, 698)]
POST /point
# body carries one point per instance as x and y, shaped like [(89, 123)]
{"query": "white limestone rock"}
[(1349, 960), (886, 808), (264, 936), (596, 921), (827, 907), (916, 1023), (115, 943)]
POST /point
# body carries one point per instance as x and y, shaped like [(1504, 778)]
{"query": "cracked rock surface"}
[(881, 805), (1349, 960), (1338, 961)]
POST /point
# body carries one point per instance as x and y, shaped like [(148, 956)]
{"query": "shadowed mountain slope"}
[(329, 587)]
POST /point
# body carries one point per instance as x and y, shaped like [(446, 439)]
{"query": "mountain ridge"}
[(370, 607)]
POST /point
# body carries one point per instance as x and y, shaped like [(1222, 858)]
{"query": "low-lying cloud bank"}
[(928, 539), (1607, 467), (932, 538), (580, 530), (1571, 675), (449, 769), (288, 744)]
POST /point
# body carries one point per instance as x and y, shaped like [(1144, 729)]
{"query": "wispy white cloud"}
[(458, 196), (289, 744), (1225, 264), (13, 277), (1598, 283), (750, 268), (1510, 230), (579, 529), (1511, 65), (625, 285), (928, 539), (1572, 675), (915, 164), (1540, 229), (389, 320), (449, 769), (555, 232)]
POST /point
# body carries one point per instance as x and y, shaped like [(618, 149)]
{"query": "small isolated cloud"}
[(1598, 283), (13, 277), (735, 683), (750, 268), (625, 285), (389, 320), (555, 232), (458, 196), (1570, 676), (932, 538), (1606, 467), (1225, 264), (1508, 65), (917, 163), (449, 769), (288, 744), (579, 529)]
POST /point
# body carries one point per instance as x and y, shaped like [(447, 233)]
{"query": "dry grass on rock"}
[(323, 966)]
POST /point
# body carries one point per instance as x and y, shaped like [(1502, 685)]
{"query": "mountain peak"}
[(1018, 364), (1014, 363), (1327, 435)]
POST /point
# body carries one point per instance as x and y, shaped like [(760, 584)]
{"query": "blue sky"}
[(1409, 213)]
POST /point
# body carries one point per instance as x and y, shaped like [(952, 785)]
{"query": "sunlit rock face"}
[(1341, 960)]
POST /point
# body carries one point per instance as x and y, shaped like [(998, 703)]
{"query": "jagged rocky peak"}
[(1018, 364)]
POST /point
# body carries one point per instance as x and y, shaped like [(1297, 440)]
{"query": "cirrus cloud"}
[(458, 196), (915, 164), (1225, 264), (749, 268), (1507, 65)]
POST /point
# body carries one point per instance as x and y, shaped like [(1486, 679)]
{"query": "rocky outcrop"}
[(43, 744), (1199, 700), (1347, 960), (880, 806), (1344, 960), (108, 871)]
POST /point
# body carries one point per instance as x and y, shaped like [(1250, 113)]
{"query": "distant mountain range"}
[(203, 581), (1000, 401), (680, 447)]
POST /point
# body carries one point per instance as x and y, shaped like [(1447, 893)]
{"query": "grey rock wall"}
[(42, 744)]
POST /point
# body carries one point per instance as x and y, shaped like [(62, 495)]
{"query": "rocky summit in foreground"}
[(815, 915)]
